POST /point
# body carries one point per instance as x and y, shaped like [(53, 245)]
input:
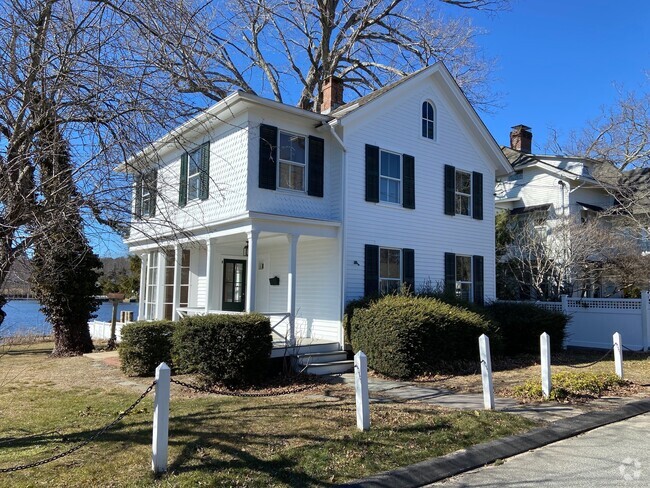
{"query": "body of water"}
[(24, 316)]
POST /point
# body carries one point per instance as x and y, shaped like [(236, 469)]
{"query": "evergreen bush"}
[(233, 350), (521, 324), (144, 346), (405, 336)]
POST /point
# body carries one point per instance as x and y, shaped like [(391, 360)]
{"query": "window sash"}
[(463, 195), (428, 120), (390, 269), (390, 184), (292, 161), (464, 274), (194, 175)]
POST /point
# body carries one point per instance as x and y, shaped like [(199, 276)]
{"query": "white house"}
[(259, 206), (550, 187)]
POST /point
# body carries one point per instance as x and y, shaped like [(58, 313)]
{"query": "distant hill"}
[(18, 281)]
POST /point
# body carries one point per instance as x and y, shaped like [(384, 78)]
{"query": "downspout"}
[(342, 248)]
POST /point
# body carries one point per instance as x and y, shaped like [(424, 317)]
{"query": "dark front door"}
[(234, 285)]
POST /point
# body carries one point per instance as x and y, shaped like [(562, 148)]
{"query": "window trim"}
[(425, 119), (399, 266), (461, 194), (147, 193), (194, 176), (400, 191), (458, 283), (281, 161)]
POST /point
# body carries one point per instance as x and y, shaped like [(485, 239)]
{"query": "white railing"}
[(592, 321), (280, 321)]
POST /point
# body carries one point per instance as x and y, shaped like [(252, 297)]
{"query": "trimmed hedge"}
[(521, 324), (144, 346), (405, 336), (230, 349)]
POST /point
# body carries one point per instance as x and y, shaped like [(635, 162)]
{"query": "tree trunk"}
[(71, 339)]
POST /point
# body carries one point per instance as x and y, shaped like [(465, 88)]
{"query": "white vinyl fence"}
[(594, 320)]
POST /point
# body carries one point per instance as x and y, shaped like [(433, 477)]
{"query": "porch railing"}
[(279, 320)]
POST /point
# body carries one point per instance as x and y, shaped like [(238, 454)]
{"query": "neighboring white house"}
[(549, 188), (259, 206)]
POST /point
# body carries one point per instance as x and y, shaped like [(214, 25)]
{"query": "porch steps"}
[(320, 363)]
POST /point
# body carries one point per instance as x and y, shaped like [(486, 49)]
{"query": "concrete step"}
[(321, 357), (333, 367), (318, 347)]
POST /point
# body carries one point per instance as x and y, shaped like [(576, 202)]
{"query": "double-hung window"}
[(464, 278), (145, 198), (194, 175), (390, 270), (390, 177), (292, 161), (463, 192)]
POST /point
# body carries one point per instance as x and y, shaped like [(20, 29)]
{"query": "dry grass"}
[(511, 372), (306, 439)]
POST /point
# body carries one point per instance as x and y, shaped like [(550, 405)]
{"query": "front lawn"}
[(305, 439)]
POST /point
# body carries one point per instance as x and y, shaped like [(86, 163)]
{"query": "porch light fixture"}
[(245, 253)]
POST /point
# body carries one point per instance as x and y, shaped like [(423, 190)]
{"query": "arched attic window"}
[(428, 120)]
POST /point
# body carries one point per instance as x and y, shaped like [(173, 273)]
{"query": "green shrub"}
[(230, 349), (404, 336), (570, 385), (521, 324), (144, 346)]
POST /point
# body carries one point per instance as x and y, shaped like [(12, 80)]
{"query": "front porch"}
[(287, 270)]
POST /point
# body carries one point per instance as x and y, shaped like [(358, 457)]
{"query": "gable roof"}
[(457, 98)]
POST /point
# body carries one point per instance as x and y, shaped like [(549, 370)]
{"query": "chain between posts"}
[(591, 364), (83, 443), (205, 389)]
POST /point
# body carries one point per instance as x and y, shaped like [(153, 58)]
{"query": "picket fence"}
[(592, 321)]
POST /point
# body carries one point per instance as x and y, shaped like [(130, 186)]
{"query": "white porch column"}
[(160, 285), (210, 251), (251, 270), (291, 286), (142, 295), (178, 257)]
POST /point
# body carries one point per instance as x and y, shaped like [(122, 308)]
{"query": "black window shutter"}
[(450, 190), (371, 270), (153, 191), (372, 173), (205, 171), (477, 195), (477, 276), (408, 268), (138, 196), (268, 156), (315, 169), (182, 189), (450, 273), (408, 163)]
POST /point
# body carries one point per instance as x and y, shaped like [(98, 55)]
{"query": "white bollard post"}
[(361, 391), (160, 420), (618, 354), (545, 347), (486, 372)]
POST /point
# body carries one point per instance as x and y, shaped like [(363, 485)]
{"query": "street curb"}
[(439, 468)]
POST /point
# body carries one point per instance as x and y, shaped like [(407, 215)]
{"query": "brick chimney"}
[(332, 94), (521, 139)]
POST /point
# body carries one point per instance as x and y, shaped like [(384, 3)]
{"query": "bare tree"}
[(543, 259), (86, 66), (294, 45)]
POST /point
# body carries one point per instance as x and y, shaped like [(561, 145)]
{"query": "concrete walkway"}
[(383, 390)]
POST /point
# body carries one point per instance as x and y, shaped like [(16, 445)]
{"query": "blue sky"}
[(558, 63)]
